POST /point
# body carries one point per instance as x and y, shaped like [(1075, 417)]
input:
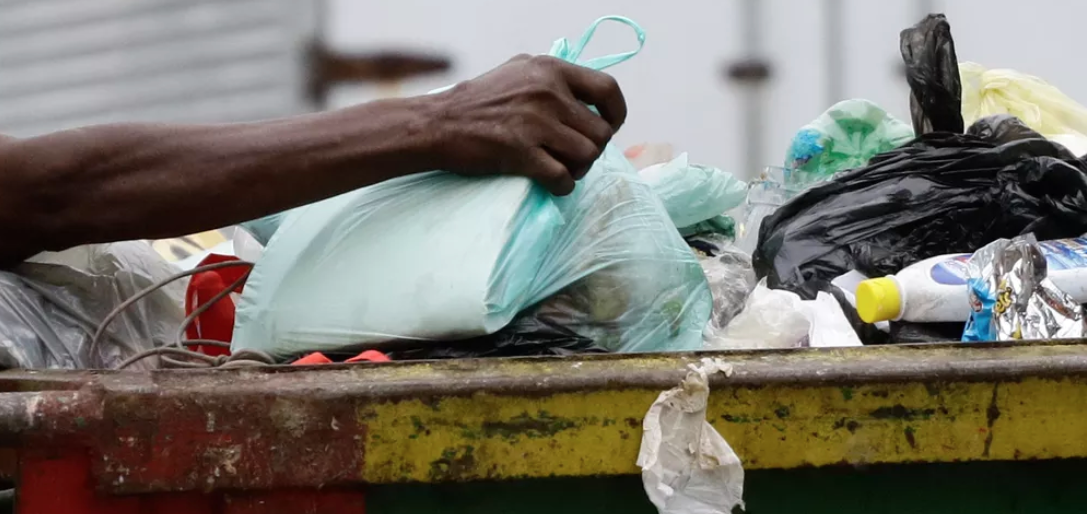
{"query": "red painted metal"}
[(61, 481), (199, 442), (58, 481)]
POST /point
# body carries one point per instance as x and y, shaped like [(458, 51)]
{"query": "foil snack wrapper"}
[(1012, 298)]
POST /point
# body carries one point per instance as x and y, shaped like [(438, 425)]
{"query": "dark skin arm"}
[(146, 181)]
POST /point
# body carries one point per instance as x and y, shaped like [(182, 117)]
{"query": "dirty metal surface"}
[(518, 418)]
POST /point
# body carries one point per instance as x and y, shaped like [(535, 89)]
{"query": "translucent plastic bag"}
[(731, 278), (693, 193), (644, 155), (51, 306), (439, 256), (1040, 105), (842, 138), (775, 318)]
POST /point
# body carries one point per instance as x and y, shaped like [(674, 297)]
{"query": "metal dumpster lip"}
[(907, 362), (356, 423)]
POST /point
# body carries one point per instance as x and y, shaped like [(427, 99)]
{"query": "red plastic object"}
[(320, 358), (313, 358), (370, 356), (216, 323)]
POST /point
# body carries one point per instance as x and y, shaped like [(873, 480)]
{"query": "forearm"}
[(135, 181)]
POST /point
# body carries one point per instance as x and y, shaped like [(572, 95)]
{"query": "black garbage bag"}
[(868, 333), (527, 336), (1005, 128), (932, 70), (1002, 128), (942, 193), (904, 332)]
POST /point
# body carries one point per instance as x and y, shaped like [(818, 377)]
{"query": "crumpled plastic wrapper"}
[(687, 467), (770, 318), (51, 305), (731, 280), (1012, 298)]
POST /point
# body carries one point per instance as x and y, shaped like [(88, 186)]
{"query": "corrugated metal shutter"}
[(68, 63)]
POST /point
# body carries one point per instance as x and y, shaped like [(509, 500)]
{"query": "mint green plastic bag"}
[(438, 256), (693, 193), (262, 229), (846, 136)]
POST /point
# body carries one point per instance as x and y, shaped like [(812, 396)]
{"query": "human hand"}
[(529, 117)]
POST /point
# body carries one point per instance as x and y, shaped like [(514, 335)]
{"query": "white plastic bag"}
[(438, 256), (687, 467), (645, 155), (770, 319), (829, 326), (775, 318)]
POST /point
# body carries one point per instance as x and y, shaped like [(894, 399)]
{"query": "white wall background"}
[(676, 89)]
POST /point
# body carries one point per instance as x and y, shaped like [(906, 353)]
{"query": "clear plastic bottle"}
[(765, 194)]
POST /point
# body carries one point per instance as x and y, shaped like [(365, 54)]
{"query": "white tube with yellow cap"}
[(934, 290)]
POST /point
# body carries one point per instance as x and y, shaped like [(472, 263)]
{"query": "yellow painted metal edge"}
[(948, 416), (581, 416), (488, 436)]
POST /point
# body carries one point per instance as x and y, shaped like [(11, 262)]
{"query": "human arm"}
[(149, 181), (146, 181)]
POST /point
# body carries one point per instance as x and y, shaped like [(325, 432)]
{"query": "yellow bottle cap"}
[(878, 299)]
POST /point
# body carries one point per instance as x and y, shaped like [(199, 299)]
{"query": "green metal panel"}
[(1042, 487)]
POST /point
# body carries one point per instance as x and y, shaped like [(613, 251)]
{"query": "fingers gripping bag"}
[(439, 257)]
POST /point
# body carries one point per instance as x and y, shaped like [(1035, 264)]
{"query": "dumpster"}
[(994, 428)]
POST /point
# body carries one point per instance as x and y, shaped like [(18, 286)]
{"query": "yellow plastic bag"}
[(1040, 105)]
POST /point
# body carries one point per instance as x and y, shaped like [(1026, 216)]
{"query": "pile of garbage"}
[(872, 231), (936, 238), (963, 224)]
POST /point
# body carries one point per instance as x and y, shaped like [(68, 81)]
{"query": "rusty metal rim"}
[(903, 363)]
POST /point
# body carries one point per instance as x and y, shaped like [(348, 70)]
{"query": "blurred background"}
[(729, 81)]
